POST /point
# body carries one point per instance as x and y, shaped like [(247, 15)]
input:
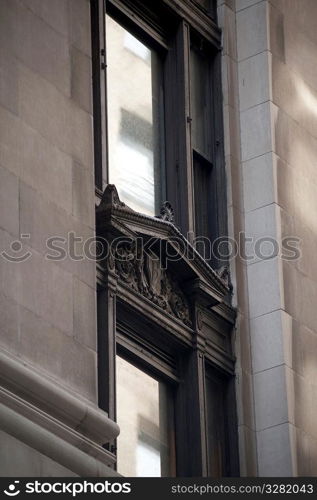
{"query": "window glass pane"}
[(135, 103), (200, 103), (145, 415)]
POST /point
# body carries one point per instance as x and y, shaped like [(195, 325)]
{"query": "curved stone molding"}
[(33, 396), (51, 445)]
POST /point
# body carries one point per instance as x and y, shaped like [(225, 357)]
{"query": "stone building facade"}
[(52, 422)]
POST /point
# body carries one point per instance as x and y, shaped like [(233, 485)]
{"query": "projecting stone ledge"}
[(52, 420)]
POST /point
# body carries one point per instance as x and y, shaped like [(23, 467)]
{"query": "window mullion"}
[(99, 91), (106, 308), (192, 442), (178, 137)]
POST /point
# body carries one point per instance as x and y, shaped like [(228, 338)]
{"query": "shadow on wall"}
[(296, 148)]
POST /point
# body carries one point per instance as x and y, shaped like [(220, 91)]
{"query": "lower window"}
[(145, 414)]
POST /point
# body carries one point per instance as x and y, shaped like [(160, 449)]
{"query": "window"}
[(162, 129), (145, 414), (165, 364), (135, 119)]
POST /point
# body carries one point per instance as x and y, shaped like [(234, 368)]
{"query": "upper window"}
[(163, 125), (201, 107), (135, 119)]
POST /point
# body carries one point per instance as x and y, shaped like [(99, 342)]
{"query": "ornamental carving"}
[(224, 273), (167, 212), (142, 272)]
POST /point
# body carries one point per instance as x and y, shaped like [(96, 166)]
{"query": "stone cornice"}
[(35, 401), (112, 212)]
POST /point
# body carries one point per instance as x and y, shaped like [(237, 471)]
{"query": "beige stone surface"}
[(48, 308), (252, 35), (293, 44), (272, 444), (27, 462), (255, 80), (256, 131)]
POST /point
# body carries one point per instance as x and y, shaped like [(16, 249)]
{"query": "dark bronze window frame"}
[(197, 351)]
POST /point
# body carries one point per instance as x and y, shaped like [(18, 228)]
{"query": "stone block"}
[(55, 14), (256, 131), (255, 79), (9, 328), (270, 398), (9, 270), (85, 329), (252, 30), (266, 293), (259, 180), (83, 195), (79, 18), (69, 128), (44, 221), (271, 340), (41, 48), (58, 354), (9, 201), (35, 161), (81, 79), (274, 451), (9, 94), (47, 290), (262, 227), (244, 4)]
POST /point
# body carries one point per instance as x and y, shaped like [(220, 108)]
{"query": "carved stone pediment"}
[(142, 272), (164, 269)]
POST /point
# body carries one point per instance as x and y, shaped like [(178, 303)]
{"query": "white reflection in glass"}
[(134, 111), (148, 461), (145, 415)]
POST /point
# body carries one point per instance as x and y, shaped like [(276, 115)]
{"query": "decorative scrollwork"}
[(224, 273), (110, 198), (167, 212), (143, 273)]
